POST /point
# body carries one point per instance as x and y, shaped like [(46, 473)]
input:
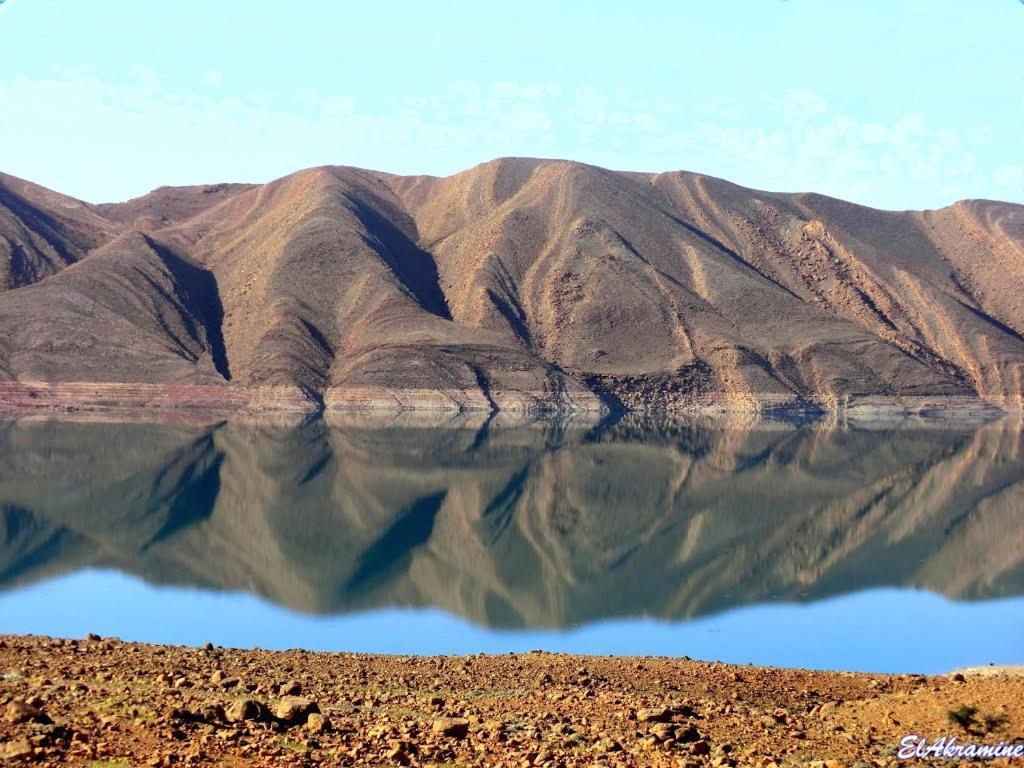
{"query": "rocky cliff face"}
[(520, 284), (517, 527)]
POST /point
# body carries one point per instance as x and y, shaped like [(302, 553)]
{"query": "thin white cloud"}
[(127, 136)]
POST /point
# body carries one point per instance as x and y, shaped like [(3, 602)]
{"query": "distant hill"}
[(520, 284)]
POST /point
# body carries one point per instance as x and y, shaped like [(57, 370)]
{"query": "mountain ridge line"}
[(523, 285)]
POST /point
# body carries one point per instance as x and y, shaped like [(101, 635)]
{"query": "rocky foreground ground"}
[(108, 704)]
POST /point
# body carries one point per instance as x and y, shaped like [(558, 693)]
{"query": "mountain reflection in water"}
[(534, 526)]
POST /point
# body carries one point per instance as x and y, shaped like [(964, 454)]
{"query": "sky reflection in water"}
[(885, 630)]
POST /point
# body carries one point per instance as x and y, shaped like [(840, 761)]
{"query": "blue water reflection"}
[(878, 547)]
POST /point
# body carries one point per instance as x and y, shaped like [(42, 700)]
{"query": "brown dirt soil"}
[(103, 703)]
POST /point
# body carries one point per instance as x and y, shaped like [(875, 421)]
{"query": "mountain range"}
[(521, 285)]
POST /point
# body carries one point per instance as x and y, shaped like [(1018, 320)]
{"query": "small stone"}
[(181, 715), (663, 731), (654, 715), (606, 746), (687, 735), (208, 647), (18, 749), (213, 713), (405, 746), (19, 712), (243, 709), (217, 676), (398, 756), (958, 678), (317, 723), (291, 688), (455, 727), (295, 710), (700, 748), (686, 710)]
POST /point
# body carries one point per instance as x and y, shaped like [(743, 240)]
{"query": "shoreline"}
[(103, 701), (19, 398)]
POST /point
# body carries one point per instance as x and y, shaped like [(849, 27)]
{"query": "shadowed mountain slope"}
[(41, 232), (533, 284), (129, 313)]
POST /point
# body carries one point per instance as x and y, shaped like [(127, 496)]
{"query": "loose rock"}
[(654, 715), (18, 749), (317, 723), (687, 735), (20, 712), (455, 727), (244, 709), (295, 710)]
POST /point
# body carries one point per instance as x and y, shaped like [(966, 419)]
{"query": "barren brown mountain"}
[(520, 284)]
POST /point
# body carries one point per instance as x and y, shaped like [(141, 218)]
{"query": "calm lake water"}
[(884, 548)]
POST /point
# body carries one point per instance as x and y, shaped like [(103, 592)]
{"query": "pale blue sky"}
[(895, 104)]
